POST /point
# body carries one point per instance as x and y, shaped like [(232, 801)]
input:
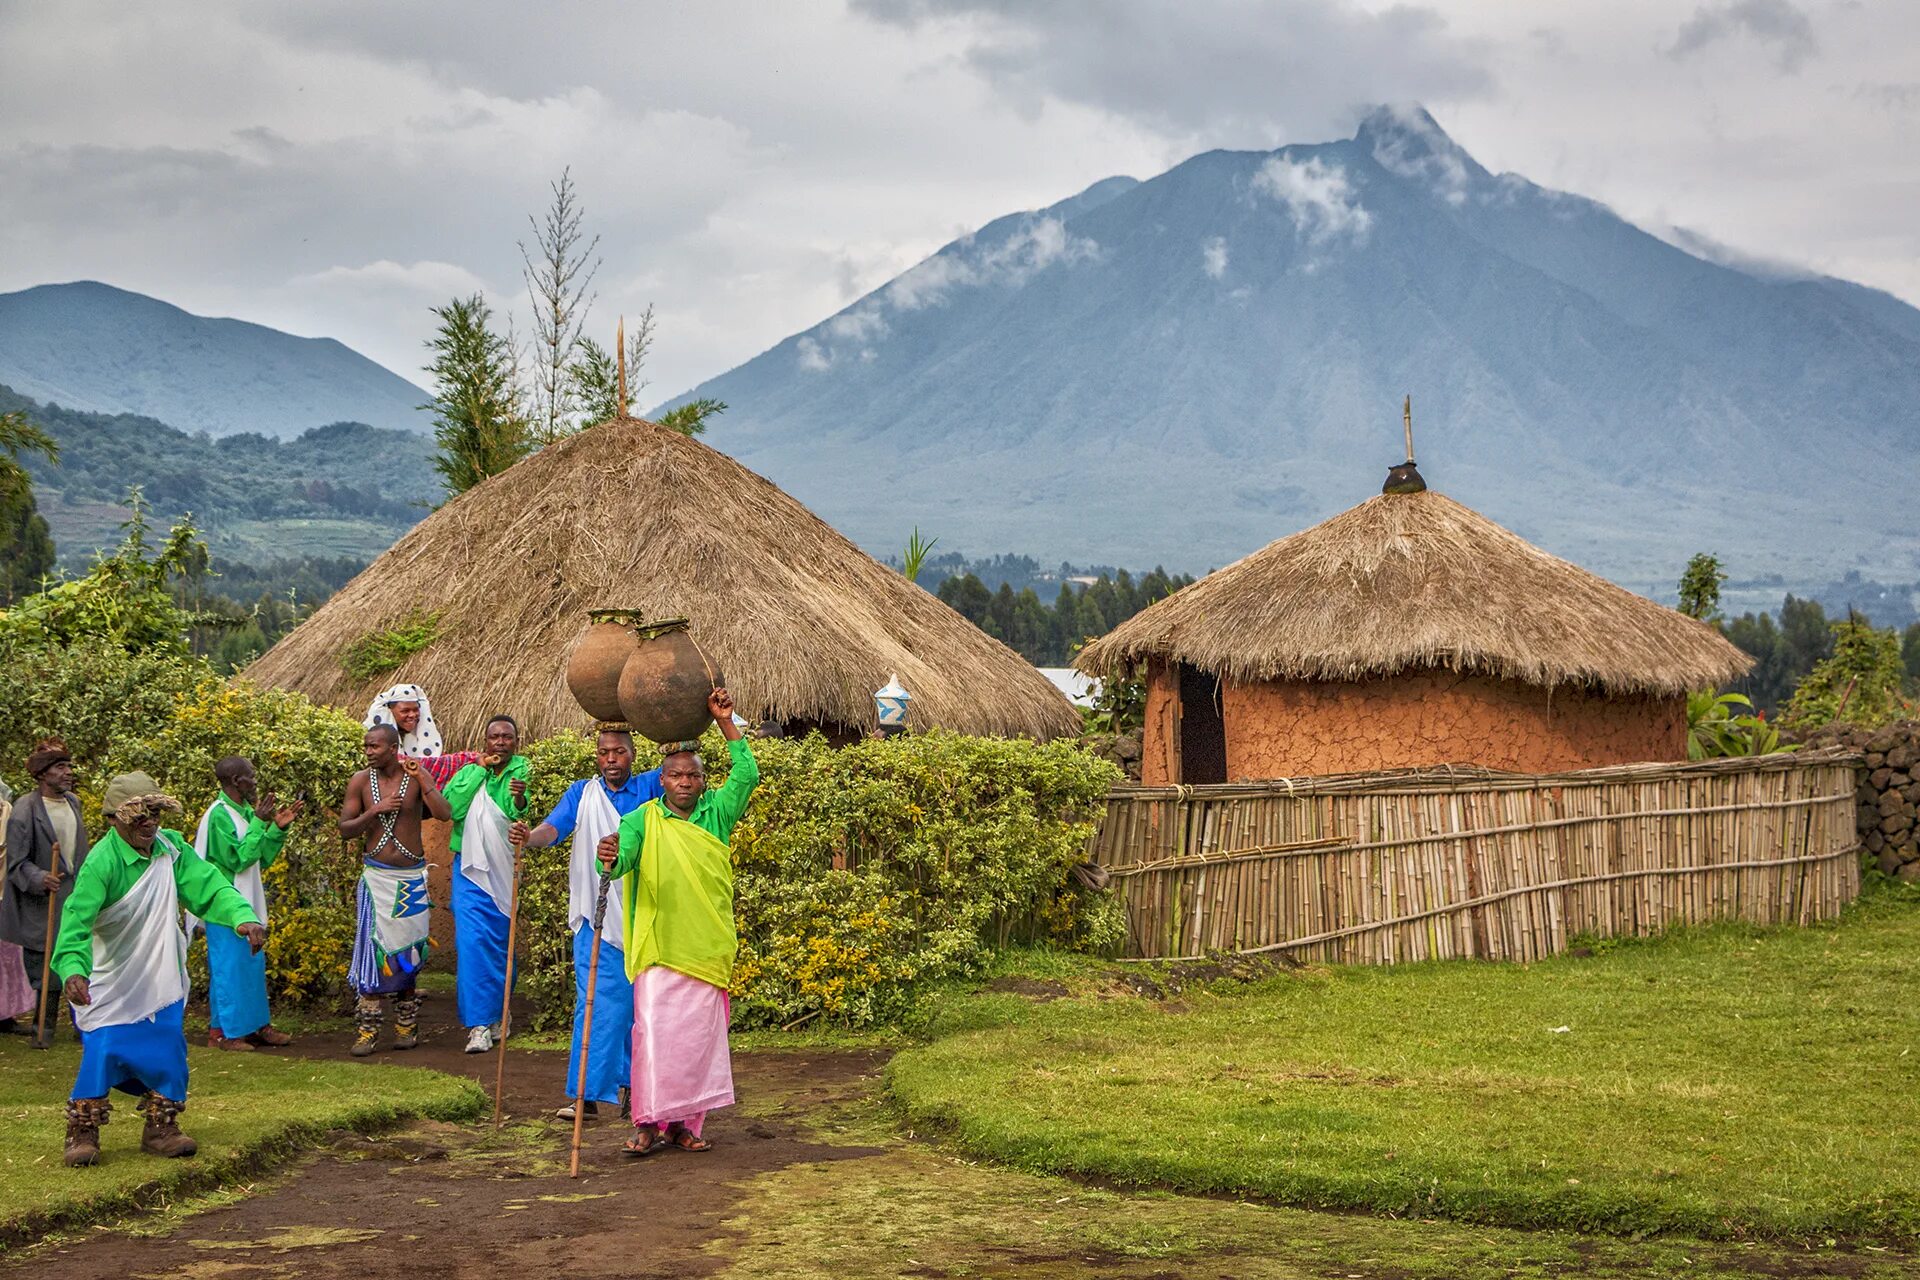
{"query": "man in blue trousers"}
[(487, 797), (241, 839), (590, 809)]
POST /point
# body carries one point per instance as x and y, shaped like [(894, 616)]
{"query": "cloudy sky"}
[(751, 167)]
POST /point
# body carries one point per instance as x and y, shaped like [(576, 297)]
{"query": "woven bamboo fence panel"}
[(1387, 868)]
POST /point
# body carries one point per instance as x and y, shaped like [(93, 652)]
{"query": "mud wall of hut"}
[(1293, 728)]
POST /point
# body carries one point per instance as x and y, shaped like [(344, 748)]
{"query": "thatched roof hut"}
[(1410, 631), (628, 514)]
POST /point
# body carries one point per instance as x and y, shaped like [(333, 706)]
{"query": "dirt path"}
[(808, 1177), (449, 1200)]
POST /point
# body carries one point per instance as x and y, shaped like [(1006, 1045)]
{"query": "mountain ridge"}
[(102, 349), (1215, 356)]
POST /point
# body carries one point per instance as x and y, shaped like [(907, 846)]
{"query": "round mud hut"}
[(630, 515), (1408, 632)]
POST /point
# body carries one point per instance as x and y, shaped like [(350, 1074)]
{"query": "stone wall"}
[(1889, 792)]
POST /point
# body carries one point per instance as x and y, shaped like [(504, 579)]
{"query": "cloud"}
[(1776, 22), (1213, 257), (1407, 142), (1317, 196), (1235, 74), (1034, 245)]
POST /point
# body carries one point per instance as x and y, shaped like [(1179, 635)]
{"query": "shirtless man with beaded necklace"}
[(390, 796)]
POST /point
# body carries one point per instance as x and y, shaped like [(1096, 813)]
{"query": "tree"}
[(690, 419), (967, 596), (559, 271), (126, 599), (1859, 684), (595, 375), (477, 417), (1700, 588), (26, 545)]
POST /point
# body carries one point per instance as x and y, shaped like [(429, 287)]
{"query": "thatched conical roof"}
[(1415, 580), (631, 515)]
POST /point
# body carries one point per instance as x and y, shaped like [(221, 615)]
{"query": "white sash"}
[(596, 817), (248, 881), (398, 896), (139, 952), (486, 855)]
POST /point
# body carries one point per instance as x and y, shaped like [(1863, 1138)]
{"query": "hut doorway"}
[(1203, 734)]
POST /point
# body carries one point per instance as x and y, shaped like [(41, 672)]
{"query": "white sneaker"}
[(479, 1040)]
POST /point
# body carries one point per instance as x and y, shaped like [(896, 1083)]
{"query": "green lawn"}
[(243, 1109), (1724, 1082)]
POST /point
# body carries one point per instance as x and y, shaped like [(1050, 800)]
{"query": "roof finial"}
[(1405, 478), (620, 361)]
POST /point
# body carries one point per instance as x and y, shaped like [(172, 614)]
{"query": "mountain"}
[(1181, 369), (94, 347)]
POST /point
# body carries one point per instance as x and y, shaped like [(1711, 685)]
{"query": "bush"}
[(90, 692), (297, 746), (865, 873), (379, 652)]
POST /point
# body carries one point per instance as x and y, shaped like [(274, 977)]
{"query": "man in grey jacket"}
[(47, 815)]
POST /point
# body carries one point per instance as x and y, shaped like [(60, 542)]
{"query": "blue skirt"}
[(480, 939), (135, 1057), (237, 984), (610, 1058)]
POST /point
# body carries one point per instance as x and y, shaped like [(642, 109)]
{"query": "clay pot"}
[(665, 683), (593, 672)]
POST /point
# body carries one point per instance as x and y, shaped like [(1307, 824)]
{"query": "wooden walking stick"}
[(506, 997), (586, 1025), (40, 1040)]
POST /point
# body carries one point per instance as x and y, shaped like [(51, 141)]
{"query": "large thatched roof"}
[(631, 515), (1407, 581)]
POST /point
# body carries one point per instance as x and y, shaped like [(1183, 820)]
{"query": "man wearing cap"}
[(123, 958), (45, 819), (676, 891)]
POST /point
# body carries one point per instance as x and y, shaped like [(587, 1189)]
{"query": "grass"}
[(921, 1211), (1722, 1082), (243, 1113)]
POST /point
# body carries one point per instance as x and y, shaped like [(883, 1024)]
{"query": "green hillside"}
[(344, 490)]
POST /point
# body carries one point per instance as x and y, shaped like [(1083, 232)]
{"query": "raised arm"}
[(462, 787), (435, 803)]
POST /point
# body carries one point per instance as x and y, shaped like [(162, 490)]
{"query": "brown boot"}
[(84, 1118), (271, 1038), (215, 1040), (162, 1136), (406, 1021), (368, 1014)]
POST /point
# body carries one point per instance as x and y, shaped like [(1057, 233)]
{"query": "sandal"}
[(644, 1142), (685, 1139)]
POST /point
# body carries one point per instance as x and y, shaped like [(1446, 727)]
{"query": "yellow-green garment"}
[(677, 884)]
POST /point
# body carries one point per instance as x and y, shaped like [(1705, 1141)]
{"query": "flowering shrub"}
[(296, 746)]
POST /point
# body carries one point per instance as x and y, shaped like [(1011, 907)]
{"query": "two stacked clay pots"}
[(650, 675)]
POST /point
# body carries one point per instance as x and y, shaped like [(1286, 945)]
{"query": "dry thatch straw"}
[(628, 514), (1410, 581)]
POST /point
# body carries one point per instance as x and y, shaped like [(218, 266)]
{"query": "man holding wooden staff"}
[(590, 810), (486, 798), (676, 892), (46, 818)]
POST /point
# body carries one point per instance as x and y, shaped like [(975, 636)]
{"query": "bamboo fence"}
[(1386, 868)]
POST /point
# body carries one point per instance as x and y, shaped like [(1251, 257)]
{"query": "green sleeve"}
[(730, 801), (462, 787), (92, 884), (262, 844), (522, 768), (633, 833), (205, 892)]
